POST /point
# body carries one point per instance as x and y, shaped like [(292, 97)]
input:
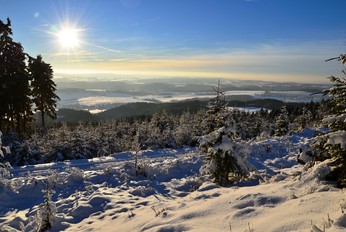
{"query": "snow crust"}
[(103, 194)]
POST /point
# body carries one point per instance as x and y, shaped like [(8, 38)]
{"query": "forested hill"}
[(145, 109), (133, 110)]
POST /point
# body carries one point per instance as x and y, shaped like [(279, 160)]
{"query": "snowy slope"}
[(103, 194)]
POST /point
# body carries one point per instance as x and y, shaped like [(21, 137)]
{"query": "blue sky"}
[(280, 40)]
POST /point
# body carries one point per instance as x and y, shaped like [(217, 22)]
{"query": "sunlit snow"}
[(103, 194)]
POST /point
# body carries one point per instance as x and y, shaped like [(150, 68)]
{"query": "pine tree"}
[(43, 88), (224, 156), (333, 143), (47, 210), (336, 138), (282, 122), (183, 132), (5, 41), (137, 146), (155, 129), (301, 122), (15, 106)]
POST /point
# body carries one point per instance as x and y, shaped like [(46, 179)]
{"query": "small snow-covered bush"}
[(45, 213), (142, 169), (108, 169), (47, 210), (74, 175)]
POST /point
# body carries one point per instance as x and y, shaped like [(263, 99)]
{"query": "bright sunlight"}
[(69, 38)]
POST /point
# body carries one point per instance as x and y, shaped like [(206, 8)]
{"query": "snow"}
[(333, 118), (337, 137), (103, 194)]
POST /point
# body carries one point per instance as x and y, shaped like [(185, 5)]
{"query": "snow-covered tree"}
[(4, 166), (224, 157), (167, 131), (282, 122), (137, 146), (3, 150), (183, 131), (333, 143), (47, 210), (302, 120)]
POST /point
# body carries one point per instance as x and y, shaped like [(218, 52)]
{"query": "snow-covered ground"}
[(103, 194)]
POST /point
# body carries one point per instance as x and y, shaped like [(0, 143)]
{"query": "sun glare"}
[(69, 38)]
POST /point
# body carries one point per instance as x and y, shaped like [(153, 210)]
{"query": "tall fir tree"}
[(15, 106), (43, 88), (5, 41)]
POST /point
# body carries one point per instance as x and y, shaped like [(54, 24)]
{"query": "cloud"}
[(109, 49), (276, 61)]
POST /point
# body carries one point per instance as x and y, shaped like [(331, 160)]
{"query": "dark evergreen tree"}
[(5, 43), (43, 88), (15, 106)]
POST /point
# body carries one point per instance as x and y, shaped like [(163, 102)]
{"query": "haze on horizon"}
[(267, 40)]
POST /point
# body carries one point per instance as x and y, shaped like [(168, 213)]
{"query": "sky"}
[(274, 40)]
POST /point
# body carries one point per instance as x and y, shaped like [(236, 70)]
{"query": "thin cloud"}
[(280, 62), (109, 49)]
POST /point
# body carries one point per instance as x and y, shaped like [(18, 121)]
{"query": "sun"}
[(69, 38)]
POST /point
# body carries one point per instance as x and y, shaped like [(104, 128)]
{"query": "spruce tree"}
[(224, 157), (301, 122), (332, 144), (47, 210), (335, 142), (43, 88), (282, 122), (15, 106), (183, 132)]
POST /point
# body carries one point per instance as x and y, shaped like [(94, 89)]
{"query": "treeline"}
[(25, 84), (88, 139), (132, 111)]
